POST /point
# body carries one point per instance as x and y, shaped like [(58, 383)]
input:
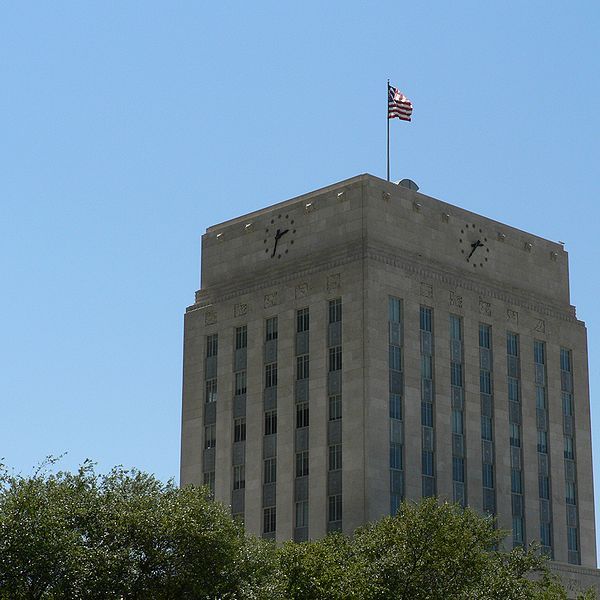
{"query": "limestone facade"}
[(395, 367)]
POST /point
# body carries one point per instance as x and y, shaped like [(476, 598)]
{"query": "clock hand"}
[(278, 235), (475, 245)]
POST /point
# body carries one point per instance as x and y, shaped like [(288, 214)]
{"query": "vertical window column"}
[(427, 395), (457, 393), (210, 411), (239, 423), (513, 365), (334, 427), (566, 386), (302, 416), (543, 452), (486, 395), (270, 429), (396, 393)]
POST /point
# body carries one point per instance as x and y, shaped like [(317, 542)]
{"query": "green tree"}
[(122, 535)]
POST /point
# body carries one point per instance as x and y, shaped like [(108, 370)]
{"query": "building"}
[(365, 343)]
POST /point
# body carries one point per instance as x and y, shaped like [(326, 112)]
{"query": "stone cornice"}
[(414, 266), (411, 265)]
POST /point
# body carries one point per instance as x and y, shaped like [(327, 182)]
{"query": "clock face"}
[(474, 245), (279, 236)]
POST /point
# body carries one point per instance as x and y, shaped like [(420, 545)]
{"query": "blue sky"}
[(128, 128)]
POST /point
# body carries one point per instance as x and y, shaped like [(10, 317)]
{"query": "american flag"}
[(399, 106)]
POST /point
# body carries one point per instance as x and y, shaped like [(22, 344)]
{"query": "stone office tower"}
[(365, 343)]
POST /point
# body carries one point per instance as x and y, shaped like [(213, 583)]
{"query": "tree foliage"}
[(126, 535)]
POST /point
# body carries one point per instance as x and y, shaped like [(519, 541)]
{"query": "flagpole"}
[(387, 118)]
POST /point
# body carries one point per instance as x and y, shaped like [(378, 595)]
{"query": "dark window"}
[(241, 337), (271, 329), (395, 406), (425, 319), (515, 435), (488, 475), (570, 494), (427, 414), (269, 520), (211, 390), (540, 396), (270, 422), (302, 464), (240, 383), (485, 336), (546, 534), (485, 382), (457, 422), (542, 442), (572, 540), (270, 474), (302, 367), (239, 429), (335, 407), (456, 377), (426, 366), (567, 402), (395, 358), (487, 432), (335, 457), (516, 481), (458, 469), (302, 514), (569, 453), (210, 436), (239, 477), (544, 485), (427, 462), (513, 389), (209, 480), (335, 358), (395, 456), (512, 344), (302, 320), (212, 345), (301, 415), (335, 310), (455, 328), (394, 310), (539, 352), (334, 512), (565, 360), (517, 530), (271, 375)]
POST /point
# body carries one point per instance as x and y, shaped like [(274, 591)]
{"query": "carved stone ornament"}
[(540, 326), (512, 315), (456, 300), (271, 299), (485, 308), (426, 290), (240, 309), (333, 282), (210, 316), (302, 290)]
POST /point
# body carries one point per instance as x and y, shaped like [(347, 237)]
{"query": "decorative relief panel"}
[(333, 282), (456, 300), (271, 299), (540, 326), (240, 309), (426, 290), (485, 308), (210, 316), (512, 315), (301, 290)]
